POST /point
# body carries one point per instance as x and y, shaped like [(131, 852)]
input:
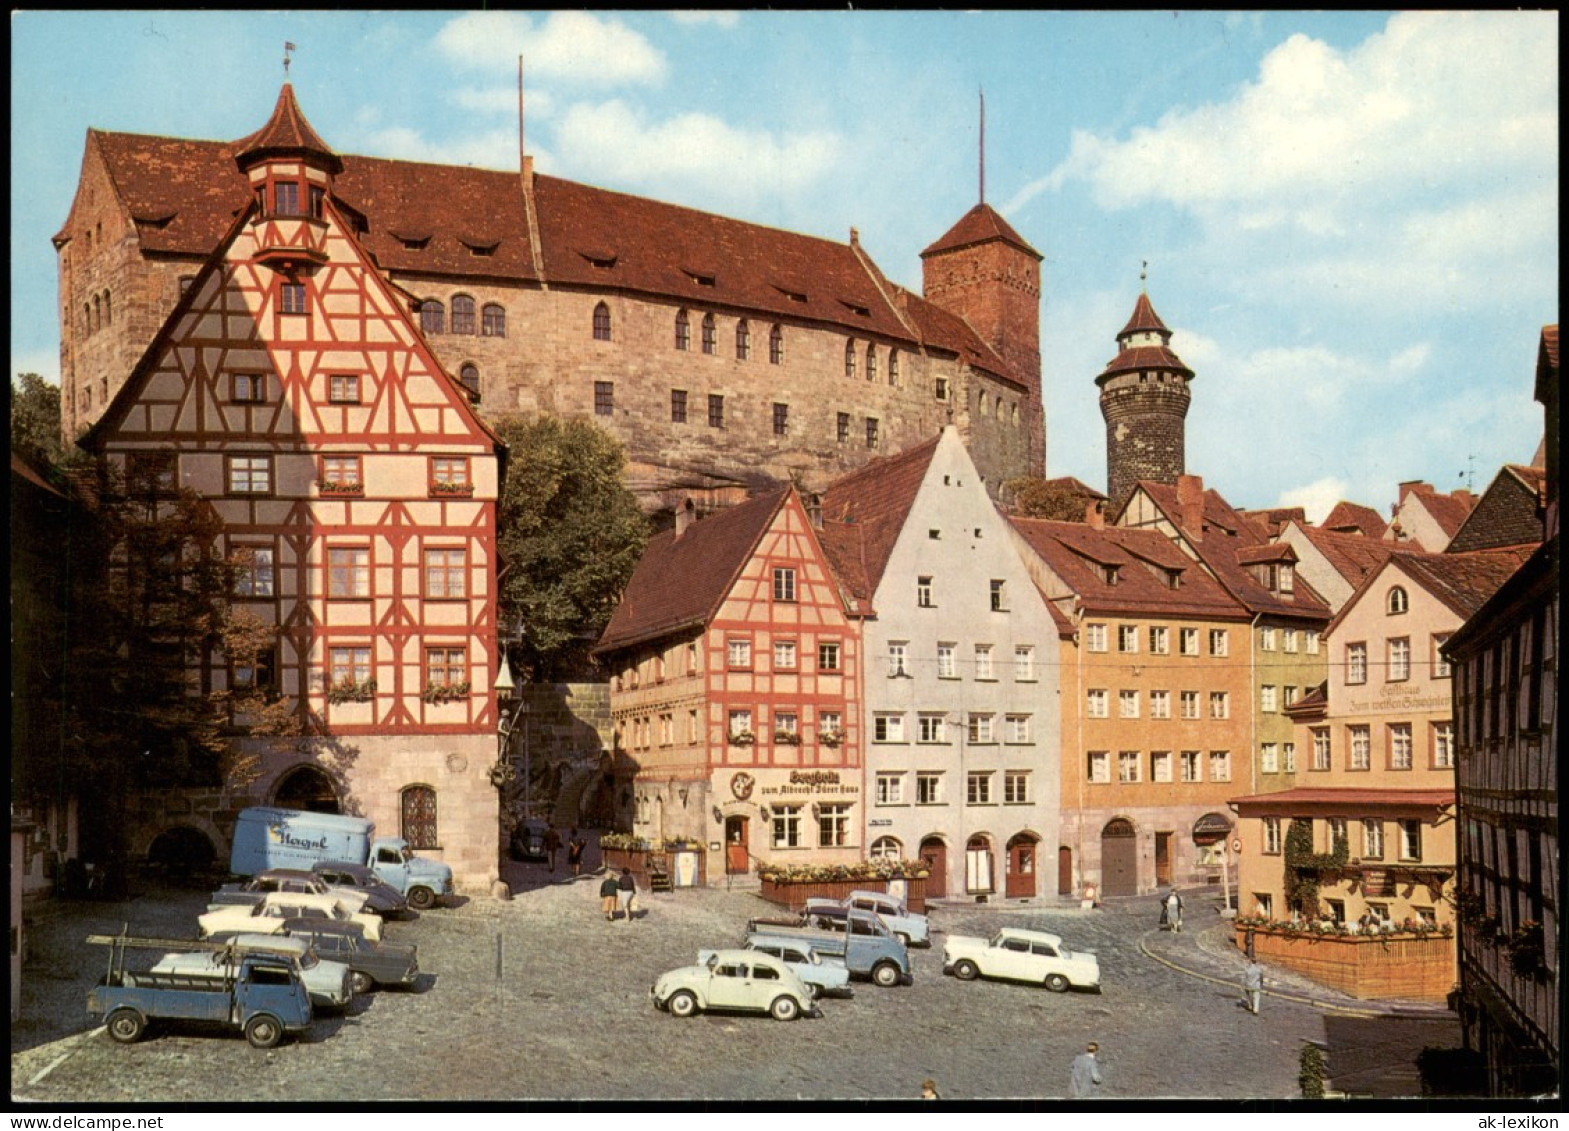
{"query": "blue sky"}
[(1350, 219)]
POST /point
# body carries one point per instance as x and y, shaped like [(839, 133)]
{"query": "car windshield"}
[(997, 939)]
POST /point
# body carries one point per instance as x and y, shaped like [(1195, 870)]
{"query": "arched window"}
[(468, 377), (849, 358), (1013, 415), (743, 340), (980, 404), (893, 367), (108, 312), (419, 816), (87, 318), (432, 317), (493, 321), (871, 363), (886, 848), (710, 334), (462, 314), (776, 345), (683, 330), (601, 323), (1398, 601), (97, 311)]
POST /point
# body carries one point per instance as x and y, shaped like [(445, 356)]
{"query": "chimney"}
[(686, 515), (1414, 485), (1095, 513), (1190, 505)]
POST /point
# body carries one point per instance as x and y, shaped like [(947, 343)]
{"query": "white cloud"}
[(1317, 498), (504, 100), (573, 46), (718, 16)]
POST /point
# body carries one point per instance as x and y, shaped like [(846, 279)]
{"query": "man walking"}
[(626, 892), (1174, 911), (552, 845), (608, 888), (1253, 985), (1084, 1076)]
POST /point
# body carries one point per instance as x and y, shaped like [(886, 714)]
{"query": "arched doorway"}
[(1119, 858), (1064, 870), (306, 787), (181, 851), (737, 860), (980, 870), (1020, 880), (934, 854)]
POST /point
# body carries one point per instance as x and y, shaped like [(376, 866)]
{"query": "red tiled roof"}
[(864, 512), (1448, 511), (679, 583), (1142, 357), (1506, 514), (1272, 519), (1462, 581), (979, 225), (1266, 553), (1352, 556), (286, 133), (1351, 798), (1353, 516), (1144, 318)]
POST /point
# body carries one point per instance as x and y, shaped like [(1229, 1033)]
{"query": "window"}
[(923, 593), (1410, 839), (849, 359), (1189, 641), (1127, 766), (1127, 638), (829, 725), (1372, 839), (1220, 765), (1397, 602), (716, 410), (1288, 757), (341, 473), (1440, 665), (1127, 704), (871, 363), (1311, 639), (1219, 704), (776, 349), (1288, 695), (743, 340), (604, 398), (286, 198), (928, 789), (446, 667), (1190, 704), (1360, 742), (784, 654), (432, 317), (683, 331), (1099, 766), (1018, 728), (999, 594), (1266, 698), (1269, 758), (890, 789), (418, 812), (291, 298), (348, 572), (828, 657), (493, 321), (601, 323), (250, 388), (253, 575), (898, 658), (1266, 639), (250, 475), (348, 667), (1289, 639), (983, 662), (893, 367), (1096, 703), (449, 471), (738, 653), (468, 377), (787, 726), (947, 667), (1399, 659), (462, 314), (678, 406), (1219, 642), (843, 428), (343, 388), (871, 432), (258, 672), (1399, 746), (1024, 663), (929, 727), (710, 335), (1095, 637), (940, 389), (978, 787), (1160, 704), (1016, 787), (1192, 770), (1160, 641), (740, 723), (1443, 746), (887, 727), (787, 826), (1356, 663), (981, 731)]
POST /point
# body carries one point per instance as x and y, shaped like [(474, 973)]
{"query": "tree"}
[(35, 420), (1034, 497), (570, 534)]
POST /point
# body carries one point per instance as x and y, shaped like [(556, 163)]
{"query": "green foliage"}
[(35, 420), (1030, 496), (1310, 1073), (1303, 866), (570, 535)]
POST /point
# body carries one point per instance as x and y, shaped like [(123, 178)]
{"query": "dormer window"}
[(700, 279), (1398, 602), (411, 243), (856, 308), (602, 261)]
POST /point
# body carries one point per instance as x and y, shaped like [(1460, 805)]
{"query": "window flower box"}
[(332, 488), (742, 738), (445, 692), (831, 738), (455, 490), (347, 691), (786, 738)]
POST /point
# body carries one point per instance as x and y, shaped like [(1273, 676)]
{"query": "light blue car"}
[(824, 974), (905, 925)]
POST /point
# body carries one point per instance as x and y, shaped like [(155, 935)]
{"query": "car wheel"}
[(785, 1008), (1056, 983), (682, 1003), (885, 974), (363, 982), (965, 970), (263, 1031), (126, 1025), (422, 899)]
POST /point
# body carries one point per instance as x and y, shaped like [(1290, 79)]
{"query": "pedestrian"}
[(929, 1089), (575, 846), (1165, 923), (1174, 911), (552, 843), (626, 892), (1084, 1076), (607, 896), (1253, 985)]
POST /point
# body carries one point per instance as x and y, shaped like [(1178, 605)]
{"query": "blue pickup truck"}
[(868, 947)]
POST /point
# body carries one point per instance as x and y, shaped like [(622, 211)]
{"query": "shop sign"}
[(811, 783)]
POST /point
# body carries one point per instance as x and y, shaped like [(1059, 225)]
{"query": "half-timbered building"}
[(293, 390)]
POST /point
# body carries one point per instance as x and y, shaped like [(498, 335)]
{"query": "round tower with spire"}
[(291, 171), (1144, 399)]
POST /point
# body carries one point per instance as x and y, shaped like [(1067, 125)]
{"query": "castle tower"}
[(983, 271), (290, 170), (1144, 399)]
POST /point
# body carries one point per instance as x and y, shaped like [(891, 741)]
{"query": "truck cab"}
[(424, 883)]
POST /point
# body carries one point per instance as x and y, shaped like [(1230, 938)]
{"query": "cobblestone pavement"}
[(540, 998)]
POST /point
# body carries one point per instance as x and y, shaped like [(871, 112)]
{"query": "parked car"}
[(370, 963), (824, 975), (908, 927), (868, 948), (528, 839), (329, 984), (741, 980), (381, 897), (267, 917), (1021, 955), (295, 881)]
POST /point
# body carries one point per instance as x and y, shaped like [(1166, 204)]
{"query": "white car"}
[(329, 984), (824, 974), (266, 917), (743, 980), (1022, 956)]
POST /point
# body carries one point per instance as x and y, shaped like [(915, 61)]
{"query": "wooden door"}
[(1119, 859), (1020, 881), (934, 853), (1162, 859), (1064, 870), (737, 860)]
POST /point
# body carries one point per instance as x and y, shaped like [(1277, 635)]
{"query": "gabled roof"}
[(1463, 582), (1507, 514), (1273, 519), (1352, 556), (1448, 511), (679, 583), (864, 512), (980, 224), (1349, 517)]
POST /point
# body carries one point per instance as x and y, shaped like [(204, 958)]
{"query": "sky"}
[(1349, 220)]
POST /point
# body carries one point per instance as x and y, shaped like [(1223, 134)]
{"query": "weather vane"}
[(287, 47), (1144, 271)]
